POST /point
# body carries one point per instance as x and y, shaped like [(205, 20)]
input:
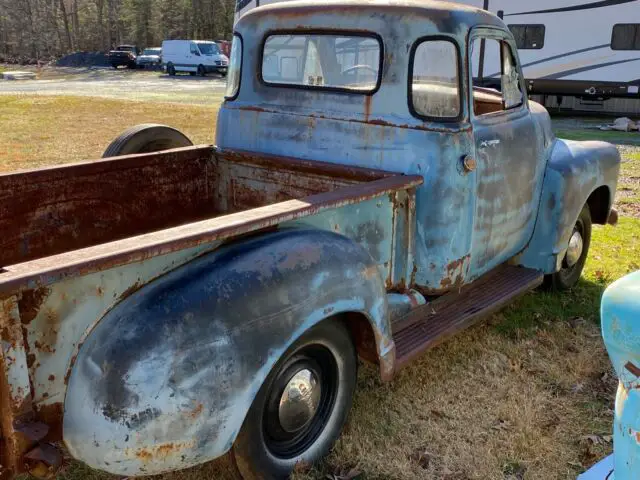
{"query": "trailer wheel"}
[(146, 138), (576, 255), (302, 406)]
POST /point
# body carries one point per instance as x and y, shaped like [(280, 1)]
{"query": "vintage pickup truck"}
[(366, 197)]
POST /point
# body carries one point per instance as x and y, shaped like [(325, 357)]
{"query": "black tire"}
[(171, 70), (263, 448), (113, 65), (223, 74), (568, 276), (201, 71), (193, 74), (146, 138)]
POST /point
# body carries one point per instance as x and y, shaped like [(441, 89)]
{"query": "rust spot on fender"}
[(30, 303), (130, 290), (196, 412), (158, 452)]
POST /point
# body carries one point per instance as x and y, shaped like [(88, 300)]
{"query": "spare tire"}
[(146, 138)]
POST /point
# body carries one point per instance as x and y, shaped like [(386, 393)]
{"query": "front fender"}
[(165, 379), (574, 171)]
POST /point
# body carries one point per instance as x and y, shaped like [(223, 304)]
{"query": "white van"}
[(193, 56)]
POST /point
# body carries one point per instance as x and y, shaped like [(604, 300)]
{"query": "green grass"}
[(614, 252), (619, 138), (45, 130)]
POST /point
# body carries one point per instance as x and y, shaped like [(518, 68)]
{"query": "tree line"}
[(46, 29)]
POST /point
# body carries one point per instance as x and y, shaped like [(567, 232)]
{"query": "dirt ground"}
[(525, 395)]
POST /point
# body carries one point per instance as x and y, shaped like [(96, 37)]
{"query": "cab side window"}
[(496, 79), (194, 49), (435, 80)]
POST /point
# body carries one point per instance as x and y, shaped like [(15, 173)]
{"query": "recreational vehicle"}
[(576, 54)]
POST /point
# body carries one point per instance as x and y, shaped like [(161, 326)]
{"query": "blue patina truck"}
[(372, 190)]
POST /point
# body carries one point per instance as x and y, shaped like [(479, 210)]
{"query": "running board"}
[(426, 326)]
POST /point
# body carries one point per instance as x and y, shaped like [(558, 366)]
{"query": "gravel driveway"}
[(120, 84)]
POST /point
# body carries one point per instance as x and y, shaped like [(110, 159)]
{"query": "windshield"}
[(322, 61), (152, 51), (209, 48)]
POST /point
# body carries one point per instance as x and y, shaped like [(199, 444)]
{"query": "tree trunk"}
[(67, 29), (76, 24)]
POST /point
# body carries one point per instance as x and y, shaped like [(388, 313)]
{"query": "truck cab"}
[(393, 86)]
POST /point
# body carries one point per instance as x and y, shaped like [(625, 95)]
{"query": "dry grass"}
[(527, 394), (41, 130)]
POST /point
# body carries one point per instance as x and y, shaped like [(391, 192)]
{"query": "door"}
[(508, 154)]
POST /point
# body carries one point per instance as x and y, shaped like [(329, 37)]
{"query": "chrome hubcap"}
[(299, 401), (574, 251)]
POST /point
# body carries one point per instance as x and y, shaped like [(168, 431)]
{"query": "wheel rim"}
[(575, 251), (300, 401)]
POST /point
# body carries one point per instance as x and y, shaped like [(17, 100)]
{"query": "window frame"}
[(327, 32), (500, 36), (635, 38), (526, 25), (232, 98), (412, 55)]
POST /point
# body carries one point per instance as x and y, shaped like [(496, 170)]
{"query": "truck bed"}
[(50, 217)]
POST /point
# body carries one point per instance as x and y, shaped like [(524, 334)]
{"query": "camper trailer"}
[(576, 54)]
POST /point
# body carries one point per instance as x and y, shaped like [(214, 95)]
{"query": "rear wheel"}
[(302, 406), (171, 70), (576, 255), (201, 71), (146, 138)]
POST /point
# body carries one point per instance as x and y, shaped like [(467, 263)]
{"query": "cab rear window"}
[(323, 61)]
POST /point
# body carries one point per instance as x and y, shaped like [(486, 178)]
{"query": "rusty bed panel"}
[(51, 210), (41, 272)]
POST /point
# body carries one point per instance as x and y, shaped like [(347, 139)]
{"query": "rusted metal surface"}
[(191, 349), (426, 326), (58, 309), (56, 209), (42, 272)]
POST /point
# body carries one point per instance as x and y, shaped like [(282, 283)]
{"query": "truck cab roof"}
[(440, 16)]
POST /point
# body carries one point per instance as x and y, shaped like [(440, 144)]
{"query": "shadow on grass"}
[(541, 308)]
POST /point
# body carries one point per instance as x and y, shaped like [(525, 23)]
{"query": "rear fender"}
[(577, 173), (165, 379)]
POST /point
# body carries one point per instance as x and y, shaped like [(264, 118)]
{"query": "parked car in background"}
[(150, 57), (124, 56), (225, 46), (193, 56)]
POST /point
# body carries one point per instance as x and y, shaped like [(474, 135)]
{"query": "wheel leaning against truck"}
[(146, 138), (302, 406)]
